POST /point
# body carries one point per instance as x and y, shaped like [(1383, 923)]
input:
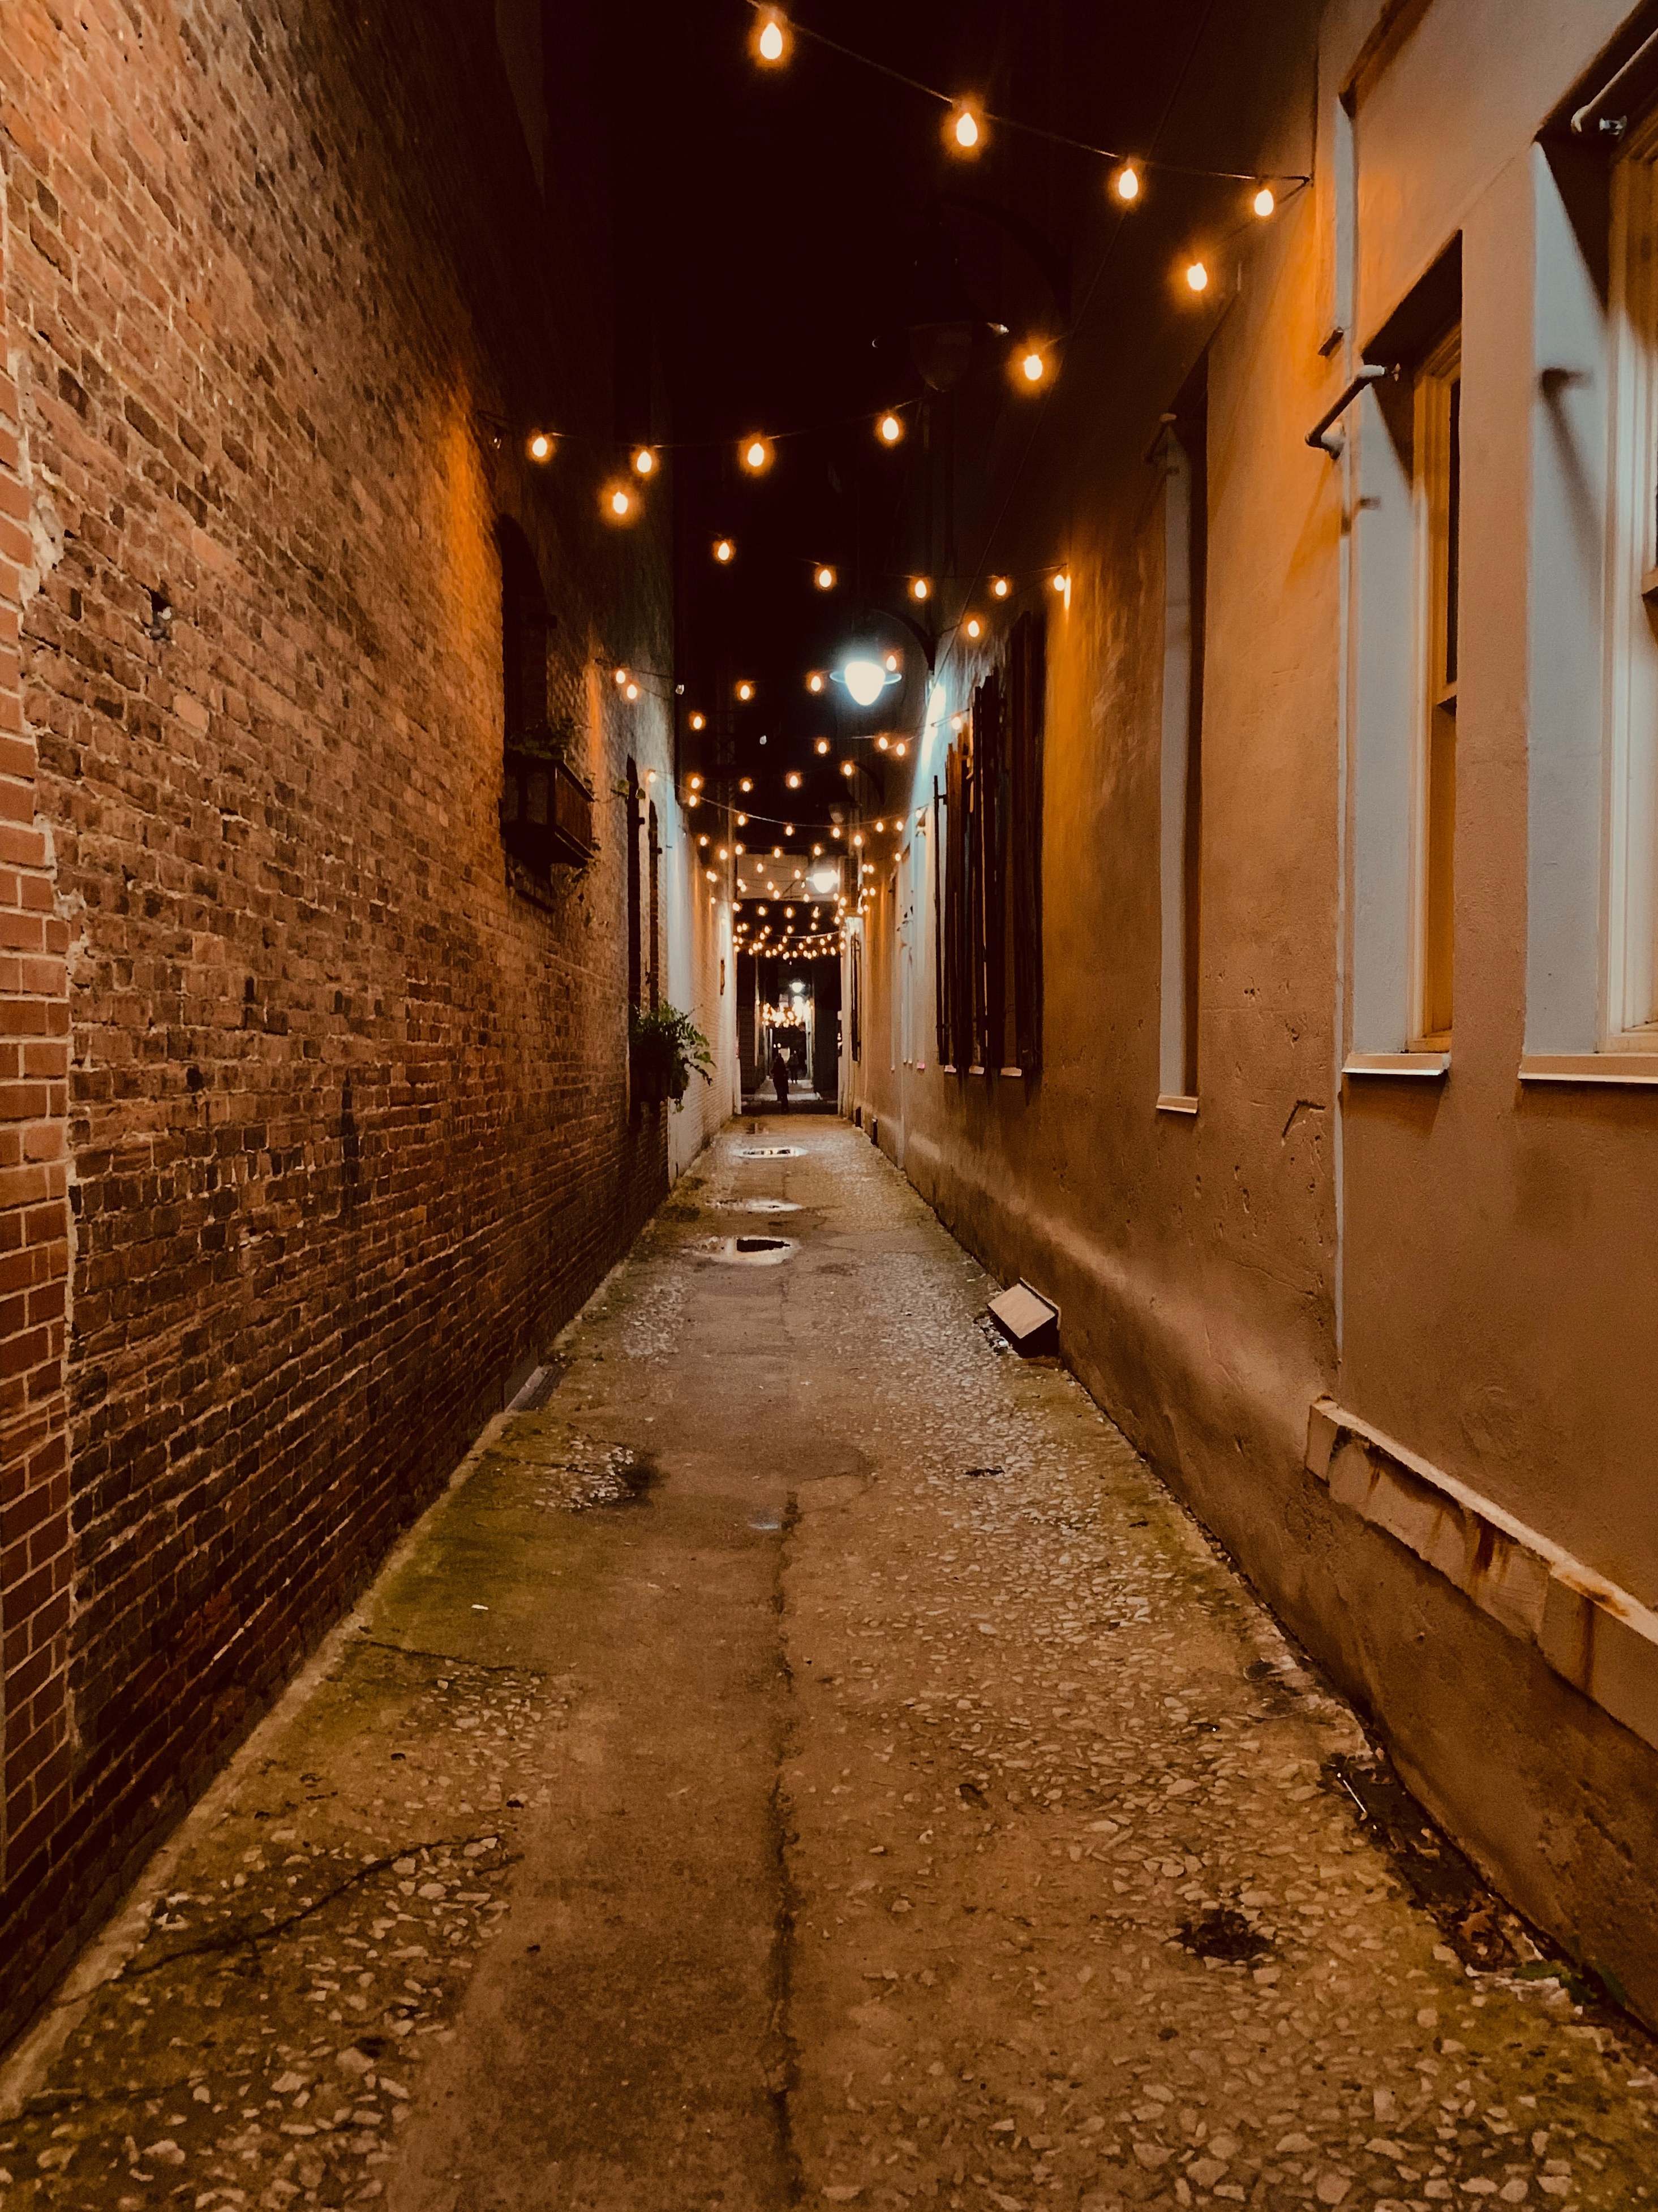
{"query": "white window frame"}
[(1435, 517), (1629, 981)]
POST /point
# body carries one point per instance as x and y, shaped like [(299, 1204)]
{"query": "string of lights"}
[(966, 129)]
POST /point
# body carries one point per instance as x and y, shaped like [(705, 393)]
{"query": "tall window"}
[(1630, 993), (1435, 471), (989, 917), (1186, 557), (653, 842), (635, 901)]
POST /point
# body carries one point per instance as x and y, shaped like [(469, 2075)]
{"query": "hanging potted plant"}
[(666, 1048)]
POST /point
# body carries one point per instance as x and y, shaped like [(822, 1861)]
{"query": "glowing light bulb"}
[(745, 692), (974, 626), (900, 749), (892, 664), (825, 578), (1032, 365), (815, 682), (541, 445), (631, 692), (696, 783), (793, 778), (1126, 183), (999, 588), (848, 768), (619, 503), (881, 827), (771, 39), (703, 840), (755, 455), (820, 746), (920, 588), (965, 131), (857, 839), (724, 855), (889, 429), (881, 742), (787, 829), (644, 461), (724, 551), (745, 783), (700, 721), (710, 873), (1062, 582), (1197, 277), (621, 678), (1264, 202), (742, 821)]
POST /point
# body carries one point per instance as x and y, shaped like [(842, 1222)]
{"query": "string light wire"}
[(1117, 157)]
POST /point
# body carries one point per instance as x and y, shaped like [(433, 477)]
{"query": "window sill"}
[(1632, 1069), (1173, 1101), (976, 1071), (1428, 1067), (1010, 1070)]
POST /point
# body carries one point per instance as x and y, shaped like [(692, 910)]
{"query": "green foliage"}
[(667, 1049)]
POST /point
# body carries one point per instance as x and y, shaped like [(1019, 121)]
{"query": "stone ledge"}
[(1596, 1636)]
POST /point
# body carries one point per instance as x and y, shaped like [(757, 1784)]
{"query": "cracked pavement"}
[(810, 1760)]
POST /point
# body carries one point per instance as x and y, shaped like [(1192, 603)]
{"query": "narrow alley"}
[(807, 1757)]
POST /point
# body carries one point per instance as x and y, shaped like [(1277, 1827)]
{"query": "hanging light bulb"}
[(815, 681), (1197, 277), (1062, 584), (883, 742), (703, 840), (696, 783), (1032, 366), (848, 768), (644, 461), (771, 40), (920, 588), (618, 503), (1126, 183), (974, 627), (901, 749), (745, 692), (541, 445), (745, 783), (700, 721), (756, 455), (620, 676), (793, 778), (820, 746), (1264, 202), (892, 664), (890, 429), (825, 578), (724, 551), (999, 588), (631, 692), (963, 132), (742, 821)]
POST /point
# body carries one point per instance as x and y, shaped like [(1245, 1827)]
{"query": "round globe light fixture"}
[(825, 880), (865, 678)]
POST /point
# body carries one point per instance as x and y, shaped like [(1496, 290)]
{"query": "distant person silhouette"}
[(780, 1077)]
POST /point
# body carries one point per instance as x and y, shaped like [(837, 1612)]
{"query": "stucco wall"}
[(1462, 1263)]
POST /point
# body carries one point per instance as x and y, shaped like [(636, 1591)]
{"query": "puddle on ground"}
[(772, 1152), (748, 1251), (760, 1206)]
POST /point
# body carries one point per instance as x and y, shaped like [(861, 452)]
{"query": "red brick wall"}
[(347, 1129), (35, 1526)]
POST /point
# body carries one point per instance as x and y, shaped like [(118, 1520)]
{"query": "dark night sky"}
[(792, 225)]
